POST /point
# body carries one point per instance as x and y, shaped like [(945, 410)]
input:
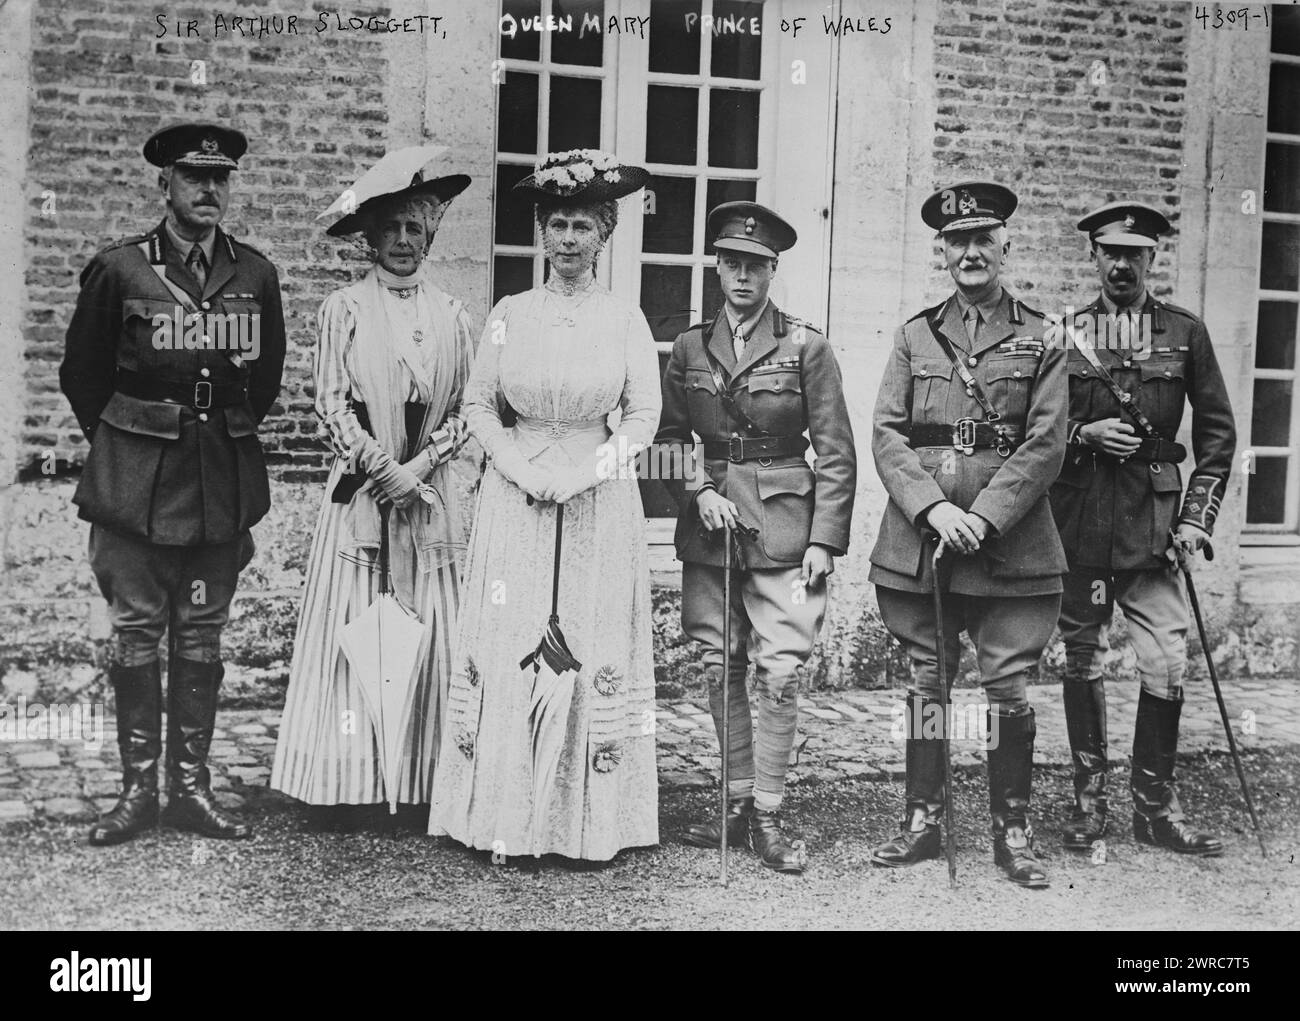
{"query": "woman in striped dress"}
[(392, 360)]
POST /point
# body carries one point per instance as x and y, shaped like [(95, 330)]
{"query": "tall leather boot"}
[(1085, 721), (920, 838), (138, 691), (1157, 817), (191, 716), (1011, 766)]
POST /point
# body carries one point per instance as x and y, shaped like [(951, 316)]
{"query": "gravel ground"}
[(292, 877)]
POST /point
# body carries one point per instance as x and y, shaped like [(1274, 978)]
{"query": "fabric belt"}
[(966, 435), (754, 448), (199, 394)]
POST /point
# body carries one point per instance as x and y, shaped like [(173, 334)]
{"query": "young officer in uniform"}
[(751, 384), (175, 476), (1116, 504), (969, 433)]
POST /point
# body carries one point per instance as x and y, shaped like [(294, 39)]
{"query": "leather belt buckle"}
[(202, 395), (963, 435), (736, 449)]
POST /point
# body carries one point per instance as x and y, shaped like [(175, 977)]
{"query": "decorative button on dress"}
[(581, 375)]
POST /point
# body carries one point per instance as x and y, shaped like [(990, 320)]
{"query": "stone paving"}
[(841, 734)]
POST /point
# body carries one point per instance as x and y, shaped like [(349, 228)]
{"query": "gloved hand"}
[(398, 482)]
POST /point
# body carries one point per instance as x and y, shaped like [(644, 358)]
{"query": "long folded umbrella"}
[(555, 669), (382, 645)]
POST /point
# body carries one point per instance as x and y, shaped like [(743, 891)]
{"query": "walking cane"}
[(1218, 694), (726, 688), (950, 839)]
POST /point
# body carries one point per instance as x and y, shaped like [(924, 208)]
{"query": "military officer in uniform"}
[(969, 432), (173, 357), (757, 385), (1116, 504)]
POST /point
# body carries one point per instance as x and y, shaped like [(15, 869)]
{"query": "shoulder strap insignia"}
[(925, 313), (134, 239)]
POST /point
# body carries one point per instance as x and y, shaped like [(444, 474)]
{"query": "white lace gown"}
[(571, 369)]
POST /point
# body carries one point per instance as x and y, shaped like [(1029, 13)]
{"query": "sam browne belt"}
[(967, 435), (199, 394), (754, 448)]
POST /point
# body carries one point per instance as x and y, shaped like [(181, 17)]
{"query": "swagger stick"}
[(950, 840), (726, 689), (1223, 709)]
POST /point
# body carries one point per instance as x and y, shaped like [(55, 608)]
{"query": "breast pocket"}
[(930, 383), (702, 401), (155, 332), (1164, 388), (775, 400), (1010, 383)]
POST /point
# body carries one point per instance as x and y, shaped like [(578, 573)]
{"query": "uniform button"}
[(207, 305), (1128, 364), (972, 362), (203, 416), (1016, 374), (1167, 373), (205, 373), (924, 372)]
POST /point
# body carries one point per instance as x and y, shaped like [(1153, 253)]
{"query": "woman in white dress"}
[(564, 392), (391, 364)]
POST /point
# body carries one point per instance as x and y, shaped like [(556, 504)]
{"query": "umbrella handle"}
[(559, 541), (385, 584)]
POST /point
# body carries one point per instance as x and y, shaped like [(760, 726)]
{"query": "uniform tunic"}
[(1005, 595), (1116, 516), (787, 384), (163, 472), (171, 489)]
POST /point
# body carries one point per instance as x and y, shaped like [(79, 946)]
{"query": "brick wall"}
[(1070, 104), (313, 107)]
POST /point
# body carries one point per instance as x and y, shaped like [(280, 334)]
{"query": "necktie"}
[(972, 325), (738, 343), (197, 265)]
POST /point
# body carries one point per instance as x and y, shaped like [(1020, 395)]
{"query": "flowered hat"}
[(583, 176)]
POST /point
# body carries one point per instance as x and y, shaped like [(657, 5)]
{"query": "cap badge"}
[(1129, 221), (749, 225), (966, 203), (209, 145)]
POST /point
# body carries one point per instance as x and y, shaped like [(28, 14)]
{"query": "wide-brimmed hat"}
[(196, 144), (402, 173), (1128, 224), (582, 177), (969, 205)]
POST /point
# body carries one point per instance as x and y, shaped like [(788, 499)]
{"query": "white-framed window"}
[(1273, 480), (716, 103)]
